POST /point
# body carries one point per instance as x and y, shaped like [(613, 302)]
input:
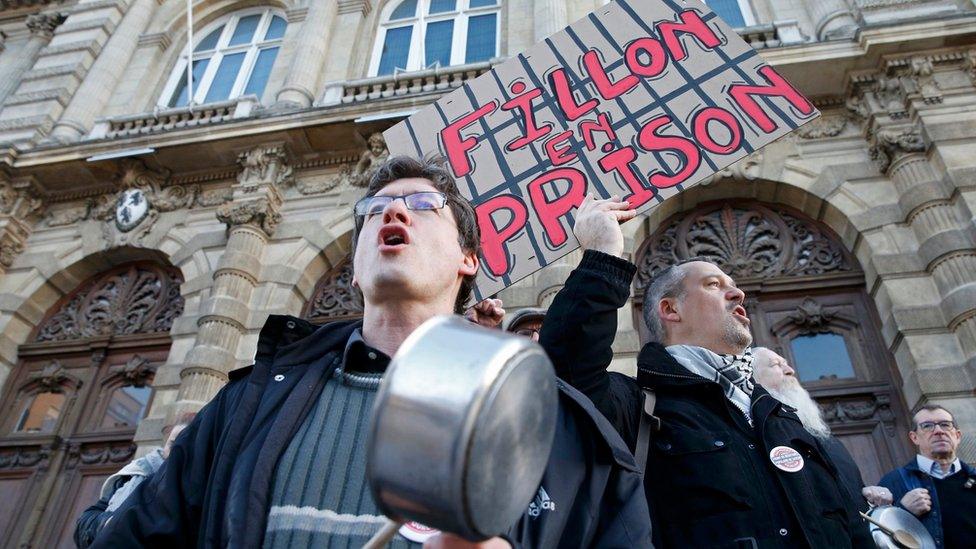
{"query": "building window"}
[(418, 34), (41, 415), (232, 57), (126, 406), (736, 13), (821, 356)]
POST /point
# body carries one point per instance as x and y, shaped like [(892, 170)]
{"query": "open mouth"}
[(393, 237), (741, 311)]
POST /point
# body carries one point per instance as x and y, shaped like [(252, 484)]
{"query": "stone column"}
[(933, 218), (41, 27), (832, 19), (251, 217), (90, 99), (549, 17), (348, 21), (308, 60)]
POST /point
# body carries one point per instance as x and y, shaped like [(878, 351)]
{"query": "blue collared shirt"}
[(933, 468)]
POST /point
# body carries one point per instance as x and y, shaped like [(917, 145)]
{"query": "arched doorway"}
[(334, 297), (70, 407), (806, 296)]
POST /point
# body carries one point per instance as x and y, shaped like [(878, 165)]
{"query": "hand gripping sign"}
[(641, 99)]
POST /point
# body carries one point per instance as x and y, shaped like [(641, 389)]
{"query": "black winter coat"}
[(709, 478), (596, 496)]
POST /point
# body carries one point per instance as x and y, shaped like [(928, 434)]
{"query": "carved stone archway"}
[(81, 385), (805, 295), (334, 297)]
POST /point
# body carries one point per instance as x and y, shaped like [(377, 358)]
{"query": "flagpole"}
[(189, 53)]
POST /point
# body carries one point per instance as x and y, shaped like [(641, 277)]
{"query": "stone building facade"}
[(144, 239)]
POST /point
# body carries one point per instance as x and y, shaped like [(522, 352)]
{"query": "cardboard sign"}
[(640, 99)]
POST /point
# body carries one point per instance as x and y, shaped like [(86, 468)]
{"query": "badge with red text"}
[(414, 531), (786, 459)]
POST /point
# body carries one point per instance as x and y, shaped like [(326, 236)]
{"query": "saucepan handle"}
[(383, 536)]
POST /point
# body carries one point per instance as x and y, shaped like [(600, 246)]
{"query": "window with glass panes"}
[(736, 13), (233, 57), (418, 34)]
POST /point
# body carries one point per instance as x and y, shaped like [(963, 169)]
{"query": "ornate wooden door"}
[(806, 297), (71, 407)]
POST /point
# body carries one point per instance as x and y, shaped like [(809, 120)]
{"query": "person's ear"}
[(913, 436), (469, 264), (668, 310)]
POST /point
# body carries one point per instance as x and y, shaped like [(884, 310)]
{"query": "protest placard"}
[(640, 99)]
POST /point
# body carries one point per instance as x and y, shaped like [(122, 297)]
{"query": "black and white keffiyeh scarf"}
[(732, 372)]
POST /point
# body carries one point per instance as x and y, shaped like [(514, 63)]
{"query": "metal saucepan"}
[(462, 428), (895, 528)]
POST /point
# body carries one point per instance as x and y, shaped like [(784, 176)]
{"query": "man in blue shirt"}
[(936, 486)]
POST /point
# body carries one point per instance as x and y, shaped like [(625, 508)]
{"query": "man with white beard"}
[(776, 375)]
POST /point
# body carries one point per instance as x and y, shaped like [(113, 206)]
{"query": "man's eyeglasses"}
[(426, 200), (929, 426)]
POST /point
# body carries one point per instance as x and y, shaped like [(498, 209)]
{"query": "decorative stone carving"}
[(137, 371), (747, 240), (375, 154), (12, 458), (746, 169), (923, 81), (810, 316), (823, 127), (887, 145), (262, 213), (213, 197), (43, 24), (99, 453), (136, 299), (335, 297), (51, 378), (9, 251), (860, 408), (263, 165)]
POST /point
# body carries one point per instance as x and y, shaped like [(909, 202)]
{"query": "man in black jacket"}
[(277, 459), (730, 466)]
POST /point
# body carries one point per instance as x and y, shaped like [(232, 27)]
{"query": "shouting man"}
[(277, 459), (727, 465)]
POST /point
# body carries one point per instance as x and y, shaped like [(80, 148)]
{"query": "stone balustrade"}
[(174, 119), (404, 83)]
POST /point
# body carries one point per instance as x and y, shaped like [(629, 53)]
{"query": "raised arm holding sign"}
[(639, 99)]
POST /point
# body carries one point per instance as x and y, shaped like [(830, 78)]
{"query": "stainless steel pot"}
[(897, 519), (462, 428)]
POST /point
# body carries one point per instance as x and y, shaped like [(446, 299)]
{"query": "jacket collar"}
[(287, 340), (656, 368)]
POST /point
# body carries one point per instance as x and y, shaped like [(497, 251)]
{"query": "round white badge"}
[(786, 459), (414, 531)]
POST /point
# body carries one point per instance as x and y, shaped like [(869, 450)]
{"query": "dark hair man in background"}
[(936, 486), (526, 322), (730, 466), (277, 459)]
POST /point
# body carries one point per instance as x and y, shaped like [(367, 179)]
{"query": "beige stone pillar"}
[(251, 218), (90, 99), (348, 21), (933, 217), (832, 19), (41, 27), (549, 17), (308, 60)]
